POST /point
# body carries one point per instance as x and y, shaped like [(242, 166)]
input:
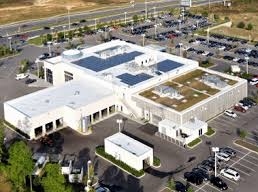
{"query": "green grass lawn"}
[(210, 132), (35, 41), (194, 143)]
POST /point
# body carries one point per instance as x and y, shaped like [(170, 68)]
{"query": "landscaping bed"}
[(247, 145), (101, 152), (210, 132), (194, 143), (156, 161)]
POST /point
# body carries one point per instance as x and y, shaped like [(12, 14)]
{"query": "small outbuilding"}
[(130, 151)]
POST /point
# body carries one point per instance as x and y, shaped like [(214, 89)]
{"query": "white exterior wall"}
[(127, 157), (168, 130)]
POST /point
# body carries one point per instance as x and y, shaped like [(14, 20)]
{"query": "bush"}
[(249, 26), (216, 17), (171, 184), (205, 14), (210, 131), (226, 19), (241, 25), (101, 151), (156, 161), (194, 142)]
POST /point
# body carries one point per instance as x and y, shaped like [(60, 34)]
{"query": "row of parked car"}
[(204, 170), (230, 39), (242, 106)]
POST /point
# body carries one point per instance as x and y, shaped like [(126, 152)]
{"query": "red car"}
[(239, 108)]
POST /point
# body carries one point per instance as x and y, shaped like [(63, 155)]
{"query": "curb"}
[(10, 56), (119, 166), (194, 145), (245, 147)]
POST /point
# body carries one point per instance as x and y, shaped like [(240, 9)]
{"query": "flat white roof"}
[(73, 94), (194, 124), (129, 144)]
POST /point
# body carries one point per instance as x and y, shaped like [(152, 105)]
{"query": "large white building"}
[(91, 84)]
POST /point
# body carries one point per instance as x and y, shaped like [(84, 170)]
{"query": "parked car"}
[(230, 113), (223, 156), (193, 178), (102, 189), (29, 81), (218, 182), (21, 76), (230, 173), (202, 173), (254, 81), (251, 101), (244, 105), (228, 151), (204, 167), (180, 187), (238, 107)]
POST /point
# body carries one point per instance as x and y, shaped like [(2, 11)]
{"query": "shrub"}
[(249, 26), (194, 142), (156, 161), (216, 17), (101, 151), (241, 25), (171, 184), (226, 19)]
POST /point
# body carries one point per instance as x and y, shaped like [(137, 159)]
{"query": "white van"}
[(21, 76)]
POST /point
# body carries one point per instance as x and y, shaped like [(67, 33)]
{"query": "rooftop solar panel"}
[(131, 80), (168, 65), (97, 64)]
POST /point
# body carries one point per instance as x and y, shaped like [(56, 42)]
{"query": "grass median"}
[(194, 143), (101, 152), (210, 132), (247, 145)]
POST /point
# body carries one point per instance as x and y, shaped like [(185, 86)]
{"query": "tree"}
[(54, 180), (241, 25), (1, 139), (216, 17), (135, 18), (242, 134), (20, 165), (171, 184), (24, 65), (249, 26), (190, 189), (49, 37)]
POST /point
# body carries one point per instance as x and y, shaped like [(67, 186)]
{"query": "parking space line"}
[(253, 157), (230, 180), (250, 138), (238, 150), (217, 188), (237, 162), (193, 185), (254, 164), (241, 170)]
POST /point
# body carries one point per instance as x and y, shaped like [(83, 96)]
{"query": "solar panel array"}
[(97, 64), (168, 65), (131, 80)]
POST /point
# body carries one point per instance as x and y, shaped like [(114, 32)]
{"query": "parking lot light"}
[(119, 121), (95, 24), (64, 30), (247, 62), (180, 49), (155, 28), (88, 167), (10, 43), (143, 40), (154, 12), (208, 35), (197, 23), (125, 17), (146, 11), (215, 150)]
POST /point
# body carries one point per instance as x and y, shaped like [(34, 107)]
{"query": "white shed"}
[(129, 150)]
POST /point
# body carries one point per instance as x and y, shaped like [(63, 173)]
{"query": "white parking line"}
[(237, 150), (254, 164), (253, 157), (229, 180), (198, 188), (237, 162), (241, 170)]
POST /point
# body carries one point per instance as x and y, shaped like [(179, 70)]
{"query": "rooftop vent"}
[(71, 54), (77, 93)]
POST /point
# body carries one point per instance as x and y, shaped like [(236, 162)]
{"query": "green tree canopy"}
[(54, 180), (20, 164)]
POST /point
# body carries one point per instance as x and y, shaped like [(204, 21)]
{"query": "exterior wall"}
[(168, 130), (214, 106), (125, 156)]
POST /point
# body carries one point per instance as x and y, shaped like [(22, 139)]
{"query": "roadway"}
[(35, 27)]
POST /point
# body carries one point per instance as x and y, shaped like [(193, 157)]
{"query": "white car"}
[(21, 76), (230, 113), (236, 59), (254, 81), (223, 156), (230, 173), (205, 53), (243, 106)]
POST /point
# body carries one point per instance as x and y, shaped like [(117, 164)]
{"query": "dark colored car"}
[(228, 151), (193, 178), (29, 81), (180, 187), (245, 103), (204, 167), (251, 101), (46, 28), (219, 183), (202, 173)]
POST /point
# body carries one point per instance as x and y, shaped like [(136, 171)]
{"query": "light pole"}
[(143, 39), (10, 43), (215, 150), (119, 121), (247, 62), (208, 35), (125, 17), (95, 24), (154, 12), (69, 18), (197, 23), (180, 49), (64, 31), (155, 27), (179, 21), (146, 11), (52, 33)]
